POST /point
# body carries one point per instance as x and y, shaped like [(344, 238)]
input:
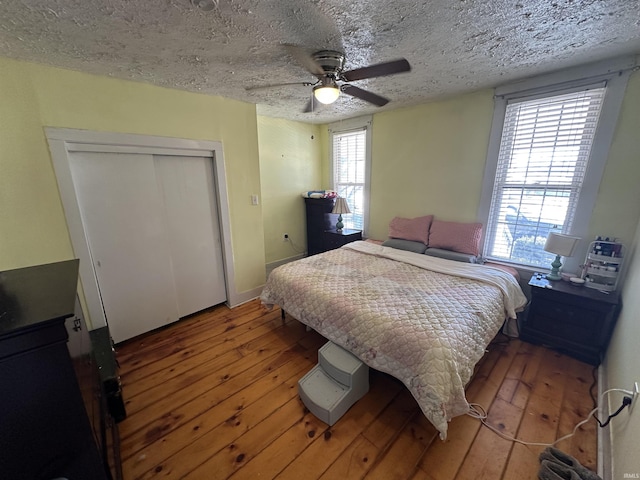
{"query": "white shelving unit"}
[(603, 264)]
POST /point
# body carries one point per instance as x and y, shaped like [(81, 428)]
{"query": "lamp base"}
[(339, 225), (555, 270)]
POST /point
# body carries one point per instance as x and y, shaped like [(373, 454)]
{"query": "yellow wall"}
[(429, 160), (290, 163), (34, 230)]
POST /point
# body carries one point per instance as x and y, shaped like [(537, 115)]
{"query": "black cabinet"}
[(319, 219), (46, 428), (334, 239), (576, 320)]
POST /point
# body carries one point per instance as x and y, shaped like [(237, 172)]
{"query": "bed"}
[(427, 321)]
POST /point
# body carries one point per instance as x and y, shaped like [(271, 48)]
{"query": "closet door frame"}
[(62, 141)]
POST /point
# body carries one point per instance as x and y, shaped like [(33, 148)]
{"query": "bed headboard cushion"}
[(415, 229), (451, 255), (457, 236), (400, 244)]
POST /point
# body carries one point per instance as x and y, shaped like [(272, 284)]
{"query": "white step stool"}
[(338, 381)]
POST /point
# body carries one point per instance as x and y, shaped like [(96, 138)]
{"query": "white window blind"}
[(349, 173), (544, 151)]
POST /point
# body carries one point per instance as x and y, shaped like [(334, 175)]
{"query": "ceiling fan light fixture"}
[(326, 93)]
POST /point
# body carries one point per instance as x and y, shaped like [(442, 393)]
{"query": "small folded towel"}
[(319, 194)]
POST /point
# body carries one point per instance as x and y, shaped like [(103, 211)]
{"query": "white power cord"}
[(477, 411)]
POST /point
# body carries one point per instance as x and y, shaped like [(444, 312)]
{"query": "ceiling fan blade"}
[(276, 85), (305, 59), (364, 95), (379, 70), (312, 105)]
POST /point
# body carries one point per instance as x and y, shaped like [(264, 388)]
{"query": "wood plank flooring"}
[(214, 396)]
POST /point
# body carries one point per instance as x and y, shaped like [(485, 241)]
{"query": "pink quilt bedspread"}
[(400, 313)]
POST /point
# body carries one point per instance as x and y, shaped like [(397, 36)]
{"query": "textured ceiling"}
[(223, 46)]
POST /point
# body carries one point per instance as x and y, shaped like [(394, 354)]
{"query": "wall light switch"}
[(254, 199)]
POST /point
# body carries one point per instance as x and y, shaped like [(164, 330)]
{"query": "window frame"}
[(615, 73), (346, 126)]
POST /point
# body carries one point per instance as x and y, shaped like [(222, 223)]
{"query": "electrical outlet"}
[(285, 237), (636, 393)]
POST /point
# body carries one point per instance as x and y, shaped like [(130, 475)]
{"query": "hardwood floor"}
[(215, 396)]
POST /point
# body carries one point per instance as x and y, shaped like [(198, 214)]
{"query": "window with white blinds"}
[(542, 161), (349, 173)]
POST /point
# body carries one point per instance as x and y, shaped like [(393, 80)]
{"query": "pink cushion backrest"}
[(416, 229), (456, 236)]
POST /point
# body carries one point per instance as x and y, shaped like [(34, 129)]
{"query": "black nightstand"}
[(576, 320), (333, 239)]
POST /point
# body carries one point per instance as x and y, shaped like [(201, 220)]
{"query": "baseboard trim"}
[(604, 434), (272, 265), (238, 299)]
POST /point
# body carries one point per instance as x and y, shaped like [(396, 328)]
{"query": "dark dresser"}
[(334, 239), (576, 320), (319, 219), (52, 408)]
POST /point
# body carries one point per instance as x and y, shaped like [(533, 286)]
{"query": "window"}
[(548, 149), (350, 153), (542, 162)]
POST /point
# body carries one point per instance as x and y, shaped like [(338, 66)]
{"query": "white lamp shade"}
[(341, 206), (561, 244), (326, 93)]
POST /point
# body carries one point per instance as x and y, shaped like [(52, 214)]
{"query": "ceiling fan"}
[(328, 67)]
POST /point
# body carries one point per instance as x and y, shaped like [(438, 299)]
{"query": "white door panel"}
[(188, 190), (119, 202)]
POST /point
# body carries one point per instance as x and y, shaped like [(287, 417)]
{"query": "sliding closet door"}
[(188, 191), (119, 201)]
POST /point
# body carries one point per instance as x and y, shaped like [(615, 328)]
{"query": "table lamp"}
[(562, 245), (340, 207)]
